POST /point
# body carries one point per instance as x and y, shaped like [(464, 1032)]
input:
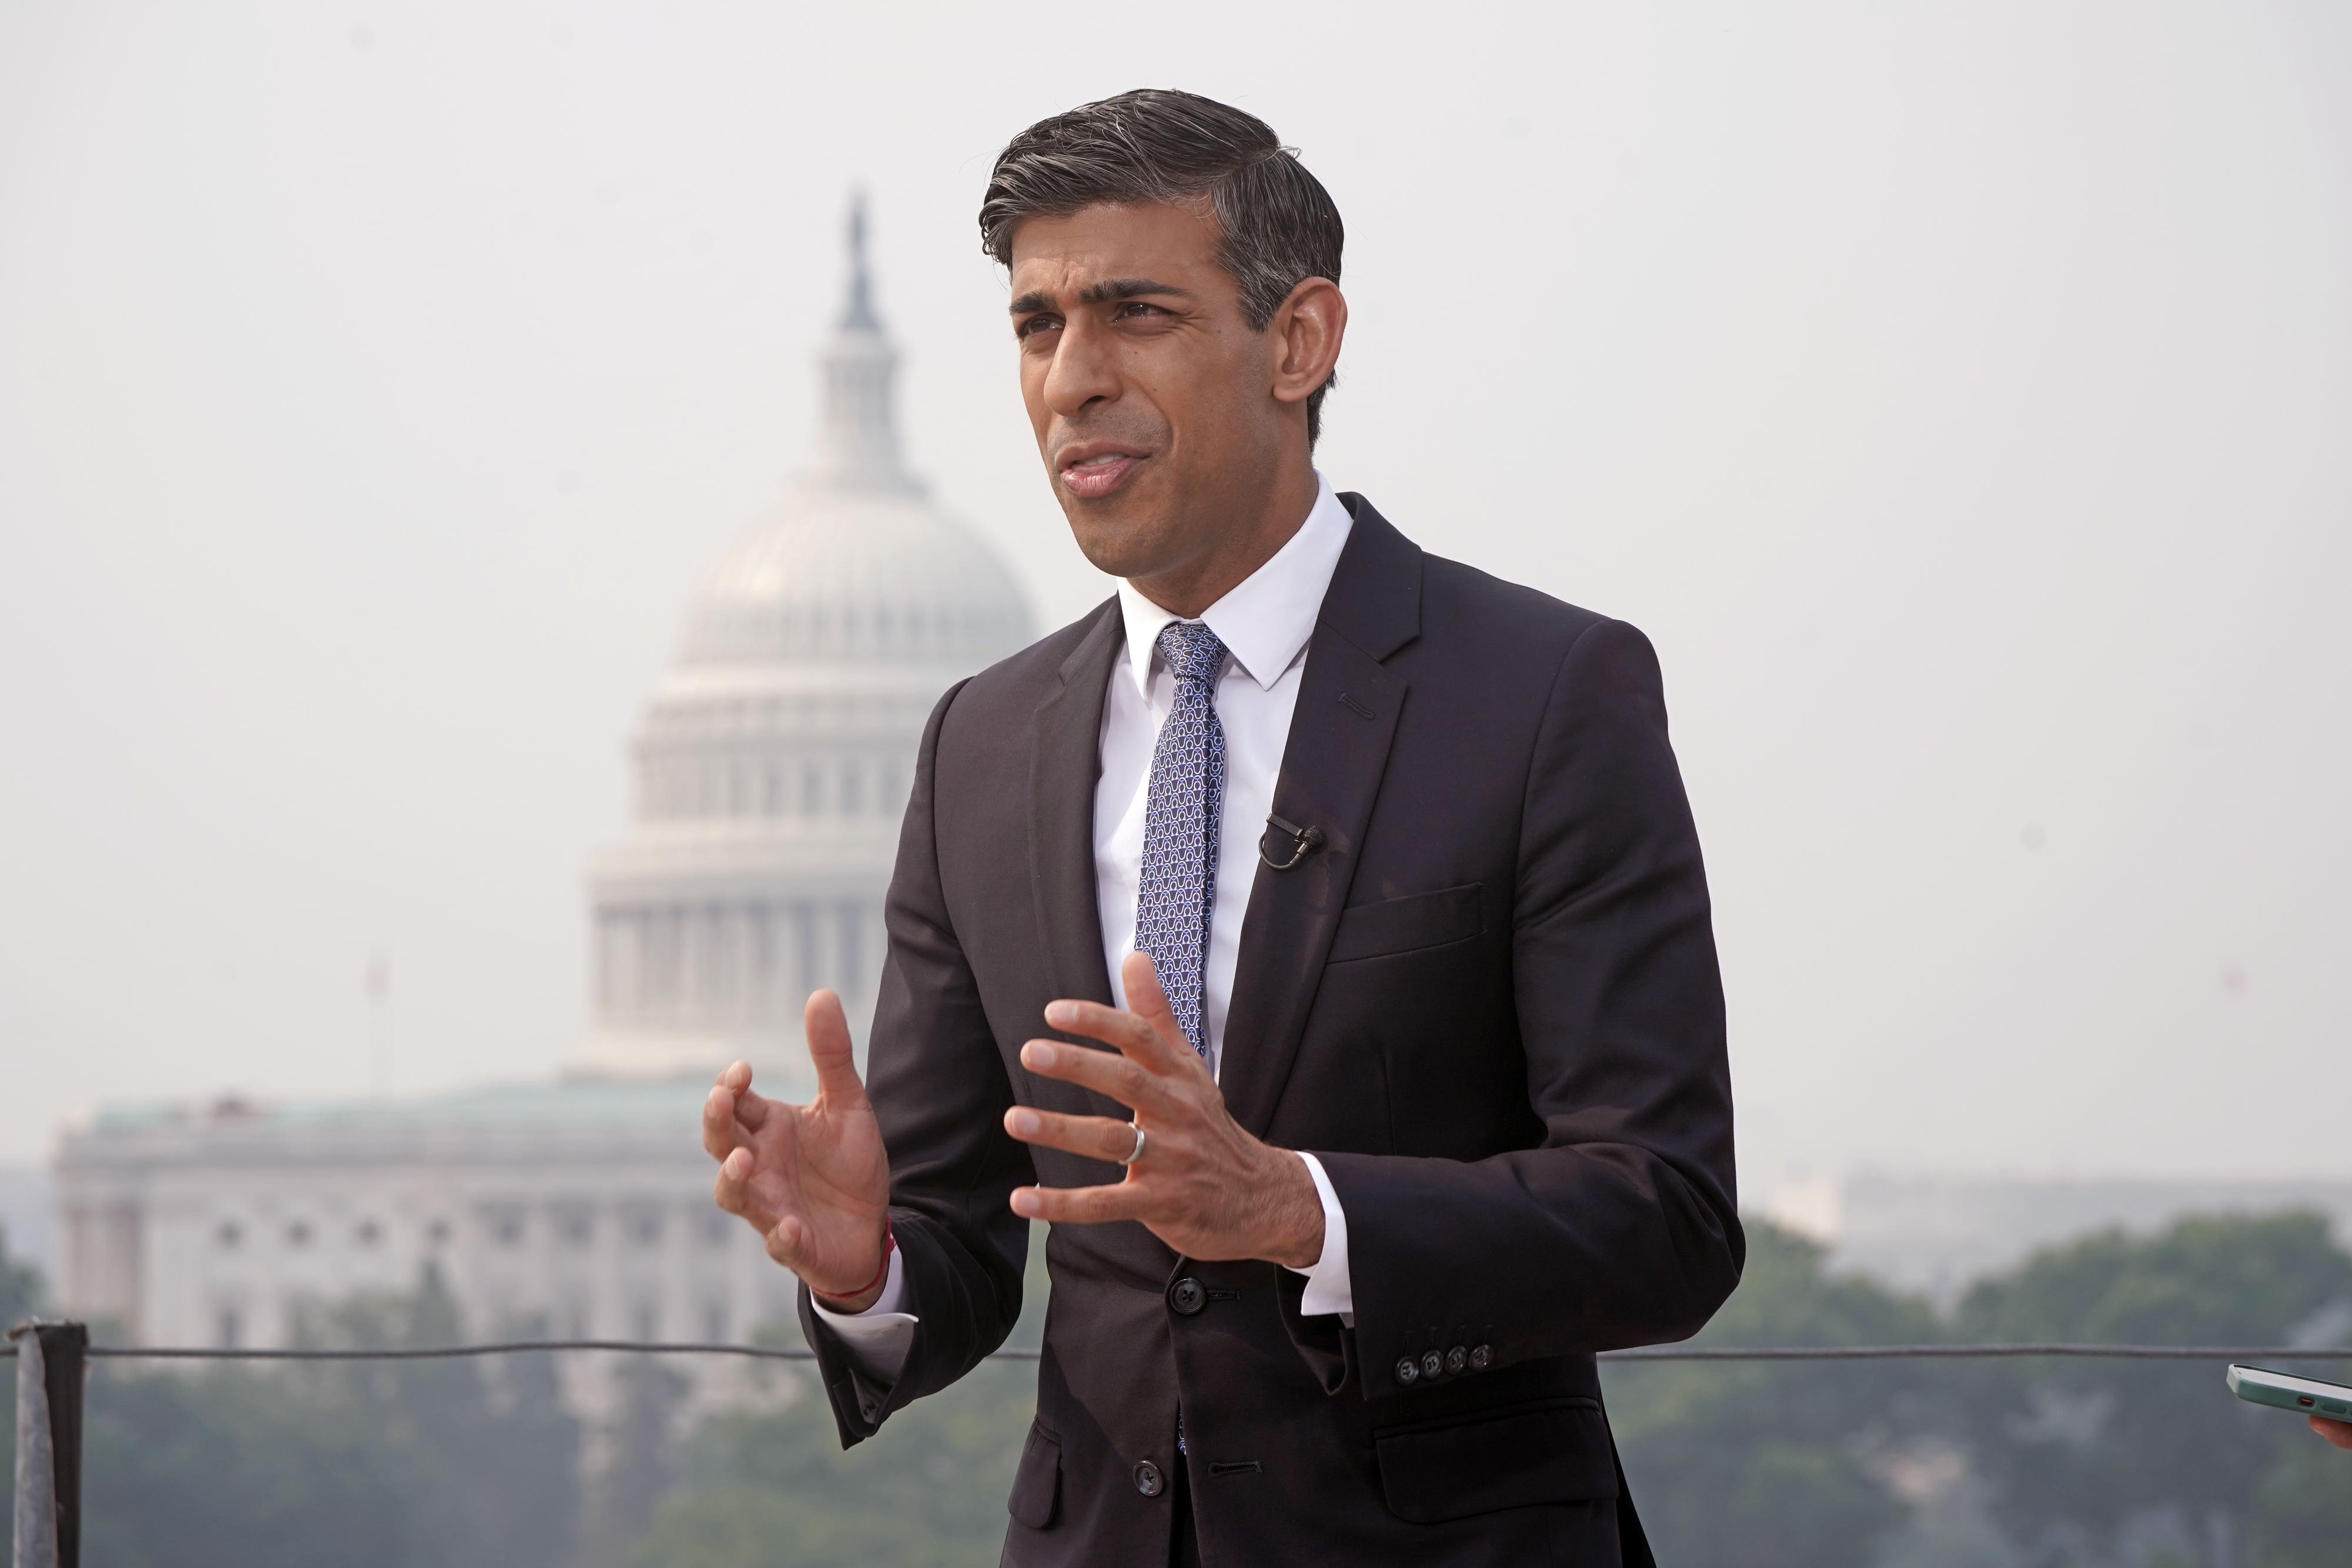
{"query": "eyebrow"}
[(1101, 293)]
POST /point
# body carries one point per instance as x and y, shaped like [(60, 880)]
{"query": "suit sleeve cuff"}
[(1329, 1287), (879, 1338)]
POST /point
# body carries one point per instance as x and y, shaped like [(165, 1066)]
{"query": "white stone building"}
[(775, 758), (770, 769)]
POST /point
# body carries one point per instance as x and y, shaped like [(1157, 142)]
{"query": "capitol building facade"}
[(770, 770)]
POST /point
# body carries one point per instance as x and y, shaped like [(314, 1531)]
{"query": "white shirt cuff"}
[(879, 1338), (1328, 1288)]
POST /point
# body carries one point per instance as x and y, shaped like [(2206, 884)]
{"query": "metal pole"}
[(50, 1362)]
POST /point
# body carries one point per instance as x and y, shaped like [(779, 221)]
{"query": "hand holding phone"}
[(2329, 1405)]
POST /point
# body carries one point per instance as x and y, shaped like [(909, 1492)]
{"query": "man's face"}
[(1150, 395)]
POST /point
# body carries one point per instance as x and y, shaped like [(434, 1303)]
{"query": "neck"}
[(1188, 589)]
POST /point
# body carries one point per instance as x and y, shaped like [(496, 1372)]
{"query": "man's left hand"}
[(1203, 1185)]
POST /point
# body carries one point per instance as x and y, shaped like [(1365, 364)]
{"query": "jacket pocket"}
[(1550, 1450), (1037, 1484), (1406, 924)]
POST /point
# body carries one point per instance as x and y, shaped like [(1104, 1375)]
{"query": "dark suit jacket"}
[(1489, 1004)]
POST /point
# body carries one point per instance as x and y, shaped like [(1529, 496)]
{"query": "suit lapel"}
[(1066, 759), (1331, 767)]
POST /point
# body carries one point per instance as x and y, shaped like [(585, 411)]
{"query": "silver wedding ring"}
[(1135, 1152)]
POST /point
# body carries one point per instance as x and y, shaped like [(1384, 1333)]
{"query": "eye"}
[(1137, 309), (1030, 327)]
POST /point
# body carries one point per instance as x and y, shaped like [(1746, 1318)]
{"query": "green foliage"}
[(20, 1286), (642, 1467), (2046, 1464), (2302, 1510), (231, 1468), (928, 1490), (2081, 1455), (20, 1298), (1769, 1466), (396, 1464)]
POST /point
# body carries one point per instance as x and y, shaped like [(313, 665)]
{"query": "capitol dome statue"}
[(774, 759)]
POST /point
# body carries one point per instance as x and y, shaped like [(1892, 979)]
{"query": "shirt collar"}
[(1265, 619)]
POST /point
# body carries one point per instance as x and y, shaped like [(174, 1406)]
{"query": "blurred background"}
[(396, 403)]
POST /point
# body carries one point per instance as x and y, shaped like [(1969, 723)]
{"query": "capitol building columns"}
[(739, 970), (774, 759)]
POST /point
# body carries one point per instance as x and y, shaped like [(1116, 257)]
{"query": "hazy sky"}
[(1960, 395)]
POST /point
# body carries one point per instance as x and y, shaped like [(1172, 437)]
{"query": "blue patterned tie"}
[(1178, 886)]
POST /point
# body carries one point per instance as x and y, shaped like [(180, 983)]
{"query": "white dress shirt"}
[(1265, 622)]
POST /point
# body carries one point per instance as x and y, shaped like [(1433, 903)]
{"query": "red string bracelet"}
[(890, 1244)]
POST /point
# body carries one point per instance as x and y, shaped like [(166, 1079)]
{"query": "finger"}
[(720, 1138), (732, 1190), (829, 1048), (787, 1242), (1149, 1001), (1127, 1033), (2336, 1432), (1105, 1073), (1096, 1137), (751, 1109), (1081, 1205), (1146, 1030)]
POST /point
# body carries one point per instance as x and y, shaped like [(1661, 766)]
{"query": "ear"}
[(1305, 337)]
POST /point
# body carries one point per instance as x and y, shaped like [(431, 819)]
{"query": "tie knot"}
[(1192, 649)]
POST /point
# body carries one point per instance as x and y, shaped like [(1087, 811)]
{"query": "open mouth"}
[(1090, 475)]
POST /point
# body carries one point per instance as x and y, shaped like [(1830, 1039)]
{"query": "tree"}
[(20, 1286), (643, 1465), (2087, 1458), (20, 1298), (231, 1468), (1768, 1465), (486, 1448), (369, 1464), (2301, 1515), (926, 1491)]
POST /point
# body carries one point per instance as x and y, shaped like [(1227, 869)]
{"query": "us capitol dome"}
[(774, 759), (770, 767)]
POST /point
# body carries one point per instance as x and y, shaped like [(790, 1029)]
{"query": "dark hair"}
[(1280, 225)]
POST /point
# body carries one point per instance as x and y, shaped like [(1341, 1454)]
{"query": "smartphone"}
[(2287, 1392)]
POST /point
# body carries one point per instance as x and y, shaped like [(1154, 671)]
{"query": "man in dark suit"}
[(1315, 934)]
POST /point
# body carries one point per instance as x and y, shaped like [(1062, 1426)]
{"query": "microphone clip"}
[(1304, 841)]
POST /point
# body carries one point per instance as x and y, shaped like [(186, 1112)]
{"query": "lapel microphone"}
[(1304, 841)]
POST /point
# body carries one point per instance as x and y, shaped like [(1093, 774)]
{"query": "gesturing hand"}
[(812, 1179), (1203, 1185)]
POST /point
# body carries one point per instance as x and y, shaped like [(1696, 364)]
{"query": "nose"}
[(1084, 370)]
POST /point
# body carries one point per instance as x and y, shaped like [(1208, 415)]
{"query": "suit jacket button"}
[(1148, 1481), (1187, 1296), (1408, 1370), (1432, 1365), (1482, 1358), (1456, 1359)]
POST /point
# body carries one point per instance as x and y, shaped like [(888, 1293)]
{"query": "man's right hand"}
[(814, 1179), (2336, 1432)]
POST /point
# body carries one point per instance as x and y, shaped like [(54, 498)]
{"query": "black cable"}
[(1647, 1353), (502, 1347)]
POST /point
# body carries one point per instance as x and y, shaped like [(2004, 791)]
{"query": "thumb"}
[(828, 1046)]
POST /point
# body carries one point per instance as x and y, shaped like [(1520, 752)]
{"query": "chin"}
[(1123, 534)]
